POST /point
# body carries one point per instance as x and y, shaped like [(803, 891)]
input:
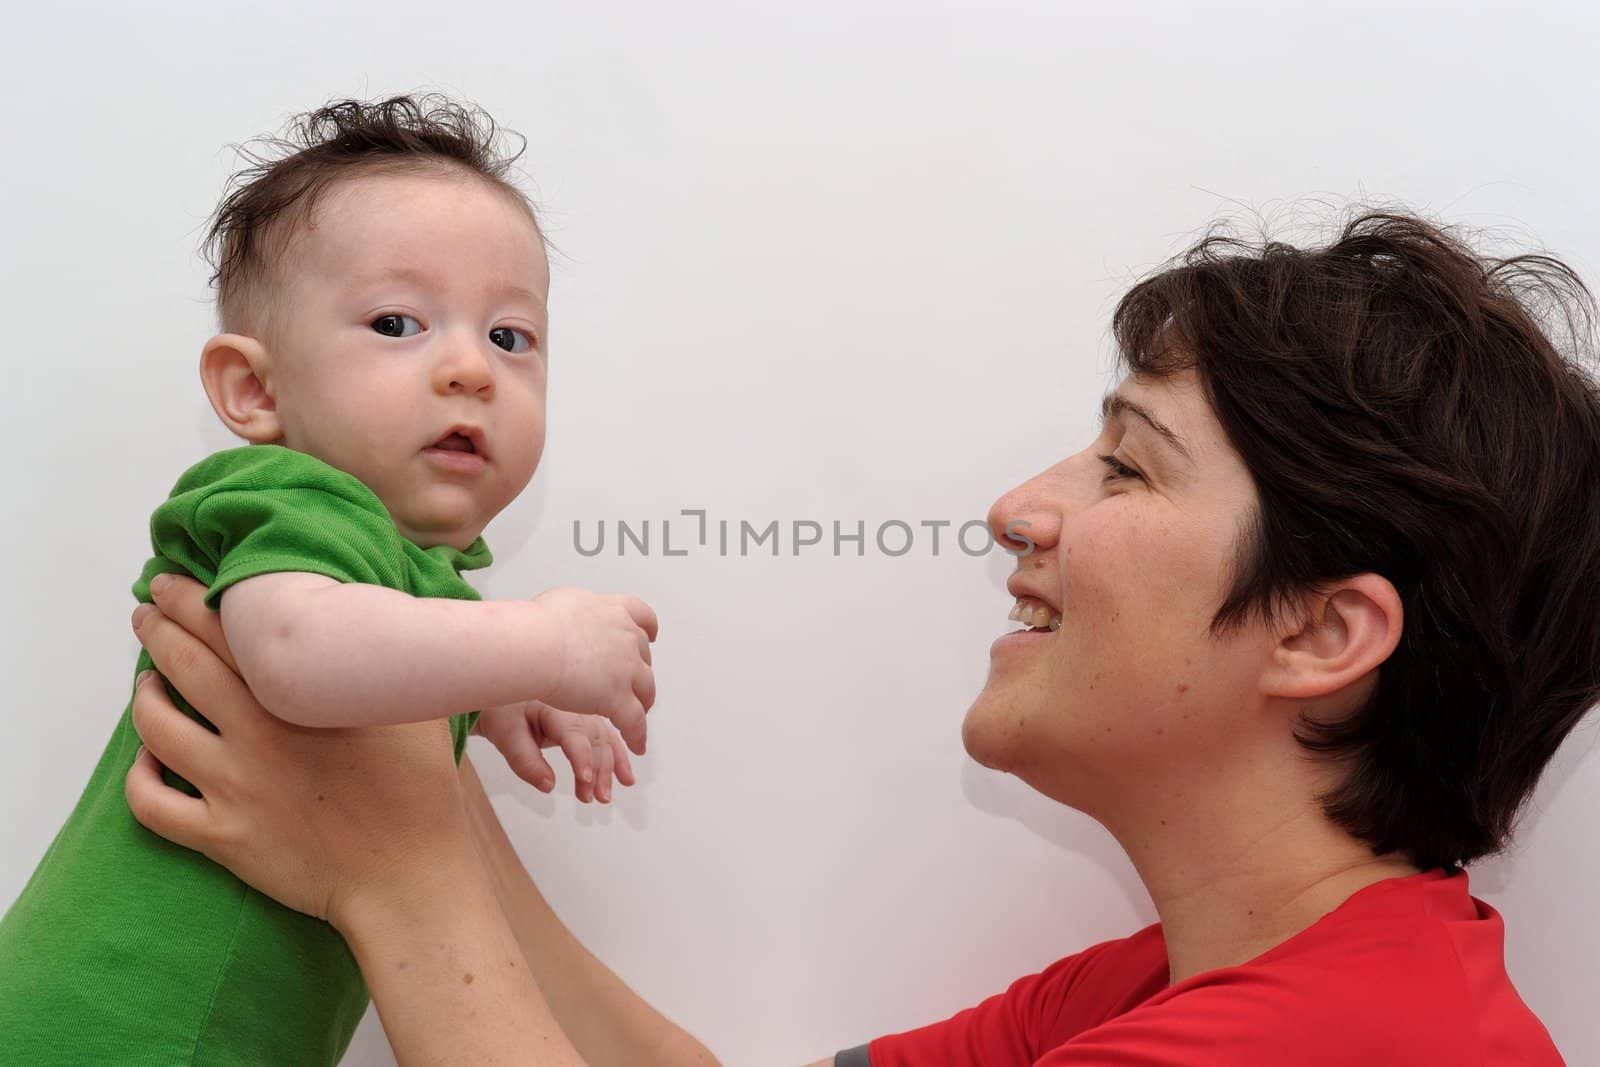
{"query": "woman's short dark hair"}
[(1410, 408), (287, 174)]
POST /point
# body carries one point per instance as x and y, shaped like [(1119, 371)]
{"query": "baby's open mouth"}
[(456, 443), (462, 437)]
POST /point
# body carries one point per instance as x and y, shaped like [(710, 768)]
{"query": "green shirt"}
[(124, 948)]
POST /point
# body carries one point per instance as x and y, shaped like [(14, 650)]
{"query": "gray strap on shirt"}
[(852, 1057)]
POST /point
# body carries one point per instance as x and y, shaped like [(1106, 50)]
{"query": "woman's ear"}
[(1346, 633), (236, 373)]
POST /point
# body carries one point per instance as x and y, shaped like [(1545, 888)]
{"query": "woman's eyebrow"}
[(1114, 405)]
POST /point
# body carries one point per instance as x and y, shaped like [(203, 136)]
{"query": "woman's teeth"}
[(1035, 614)]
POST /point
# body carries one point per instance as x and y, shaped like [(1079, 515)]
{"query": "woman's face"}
[(1130, 695)]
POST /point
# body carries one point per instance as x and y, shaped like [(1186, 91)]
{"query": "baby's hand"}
[(592, 746), (600, 648)]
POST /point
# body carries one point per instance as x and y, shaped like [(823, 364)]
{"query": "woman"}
[(1305, 624)]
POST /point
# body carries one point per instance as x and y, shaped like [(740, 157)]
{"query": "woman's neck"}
[(1234, 872)]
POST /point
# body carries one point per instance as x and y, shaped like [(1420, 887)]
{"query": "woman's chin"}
[(986, 733)]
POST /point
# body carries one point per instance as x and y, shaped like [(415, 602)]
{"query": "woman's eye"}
[(1118, 469), (506, 337), (395, 325)]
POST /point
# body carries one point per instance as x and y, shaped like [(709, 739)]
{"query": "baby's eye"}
[(506, 337), (394, 325)]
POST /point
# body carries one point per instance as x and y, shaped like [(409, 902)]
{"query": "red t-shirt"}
[(1408, 971)]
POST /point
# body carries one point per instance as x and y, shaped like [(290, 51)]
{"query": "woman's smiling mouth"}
[(1035, 614)]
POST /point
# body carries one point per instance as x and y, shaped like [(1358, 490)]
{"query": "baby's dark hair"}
[(248, 234)]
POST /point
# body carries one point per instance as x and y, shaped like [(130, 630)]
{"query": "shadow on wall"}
[(1072, 831), (1495, 874), (629, 804)]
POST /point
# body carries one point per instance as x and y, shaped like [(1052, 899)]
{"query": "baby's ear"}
[(236, 374)]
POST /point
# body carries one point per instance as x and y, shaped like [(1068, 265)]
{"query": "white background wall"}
[(829, 261)]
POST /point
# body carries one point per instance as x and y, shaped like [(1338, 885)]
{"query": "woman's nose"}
[(1026, 519)]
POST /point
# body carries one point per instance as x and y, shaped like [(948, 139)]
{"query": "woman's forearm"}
[(320, 653), (447, 976), (611, 1025)]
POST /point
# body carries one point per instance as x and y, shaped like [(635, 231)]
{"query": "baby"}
[(382, 291)]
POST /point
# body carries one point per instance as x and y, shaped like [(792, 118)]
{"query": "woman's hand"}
[(370, 829), (321, 820)]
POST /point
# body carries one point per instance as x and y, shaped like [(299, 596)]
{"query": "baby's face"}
[(413, 306)]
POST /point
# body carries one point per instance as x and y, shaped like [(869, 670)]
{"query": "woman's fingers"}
[(158, 807), (320, 820), (207, 681), (183, 600), (176, 741)]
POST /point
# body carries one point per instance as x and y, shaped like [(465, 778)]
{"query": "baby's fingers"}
[(629, 721), (619, 758), (521, 753), (644, 688), (601, 746), (575, 743), (642, 614)]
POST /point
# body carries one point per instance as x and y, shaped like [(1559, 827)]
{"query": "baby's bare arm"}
[(317, 652)]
